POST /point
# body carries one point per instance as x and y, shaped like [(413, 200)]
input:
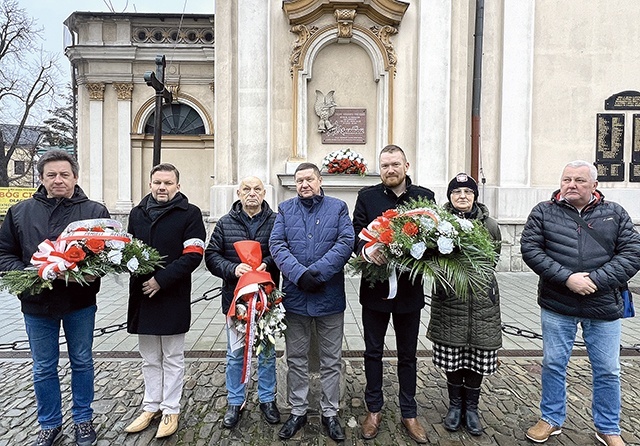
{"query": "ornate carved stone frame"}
[(303, 14)]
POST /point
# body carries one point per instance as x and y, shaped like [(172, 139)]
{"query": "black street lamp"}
[(156, 80)]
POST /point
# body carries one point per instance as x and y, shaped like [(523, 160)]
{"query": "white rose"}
[(115, 256), (446, 228), (465, 225), (418, 250), (132, 265), (445, 245)]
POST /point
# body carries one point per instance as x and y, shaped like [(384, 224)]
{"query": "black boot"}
[(472, 420), (453, 418)]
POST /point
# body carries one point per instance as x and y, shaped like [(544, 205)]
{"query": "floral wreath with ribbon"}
[(256, 315), (86, 249), (424, 240)]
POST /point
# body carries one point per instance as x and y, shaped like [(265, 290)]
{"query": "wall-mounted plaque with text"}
[(610, 171), (609, 137), (635, 143), (350, 127), (634, 172), (625, 100)]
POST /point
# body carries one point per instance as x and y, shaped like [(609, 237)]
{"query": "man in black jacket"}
[(584, 249), (160, 303), (379, 303), (250, 218), (57, 202)]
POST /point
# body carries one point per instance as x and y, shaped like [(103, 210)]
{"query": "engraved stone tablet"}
[(625, 100), (609, 137), (635, 142), (610, 171), (350, 127), (634, 172)]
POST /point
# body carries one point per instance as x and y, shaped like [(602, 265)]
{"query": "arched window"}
[(177, 119)]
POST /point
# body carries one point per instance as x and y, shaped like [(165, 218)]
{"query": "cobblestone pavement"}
[(508, 406)]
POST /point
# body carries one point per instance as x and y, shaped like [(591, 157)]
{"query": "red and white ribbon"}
[(50, 257), (252, 294)]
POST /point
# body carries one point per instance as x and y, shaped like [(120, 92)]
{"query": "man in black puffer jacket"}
[(57, 202), (579, 284), (250, 218)]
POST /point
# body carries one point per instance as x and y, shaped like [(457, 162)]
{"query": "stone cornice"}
[(383, 12), (189, 54)]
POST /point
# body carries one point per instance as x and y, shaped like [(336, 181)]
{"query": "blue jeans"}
[(43, 333), (266, 375), (602, 339)]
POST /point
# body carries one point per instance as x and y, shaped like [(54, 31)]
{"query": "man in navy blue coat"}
[(311, 242)]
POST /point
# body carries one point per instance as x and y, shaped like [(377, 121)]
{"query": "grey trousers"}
[(297, 337)]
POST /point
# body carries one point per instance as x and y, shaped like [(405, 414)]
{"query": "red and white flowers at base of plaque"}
[(86, 249), (344, 161), (423, 239), (256, 315)]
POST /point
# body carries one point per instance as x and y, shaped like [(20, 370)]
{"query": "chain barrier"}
[(23, 345), (211, 294)]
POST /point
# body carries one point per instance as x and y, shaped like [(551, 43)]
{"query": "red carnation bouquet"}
[(344, 161), (256, 314), (86, 248)]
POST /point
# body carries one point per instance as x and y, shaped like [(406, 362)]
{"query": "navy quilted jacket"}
[(316, 235), (221, 257), (554, 247)]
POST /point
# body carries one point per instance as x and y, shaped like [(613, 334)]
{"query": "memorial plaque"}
[(610, 171), (609, 137), (625, 100), (350, 127), (634, 172), (635, 143)]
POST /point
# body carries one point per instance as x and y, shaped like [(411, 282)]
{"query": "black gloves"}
[(309, 282)]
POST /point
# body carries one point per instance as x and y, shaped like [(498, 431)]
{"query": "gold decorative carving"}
[(123, 90), (345, 18), (384, 33), (96, 91), (303, 33), (175, 91), (384, 12)]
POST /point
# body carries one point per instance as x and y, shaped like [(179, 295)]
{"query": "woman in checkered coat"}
[(466, 334)]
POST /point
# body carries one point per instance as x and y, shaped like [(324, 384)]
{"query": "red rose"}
[(74, 254), (390, 213), (95, 245), (97, 229), (410, 228), (386, 237)]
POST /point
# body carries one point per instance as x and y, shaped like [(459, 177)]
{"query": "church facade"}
[(557, 82)]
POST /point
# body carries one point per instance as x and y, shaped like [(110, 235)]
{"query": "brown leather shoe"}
[(541, 431), (415, 430), (371, 424), (609, 440)]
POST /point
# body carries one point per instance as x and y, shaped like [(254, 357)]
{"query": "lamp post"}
[(156, 80)]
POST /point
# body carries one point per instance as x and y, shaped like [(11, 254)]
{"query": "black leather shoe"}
[(292, 425), (270, 412), (333, 428), (232, 416)]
